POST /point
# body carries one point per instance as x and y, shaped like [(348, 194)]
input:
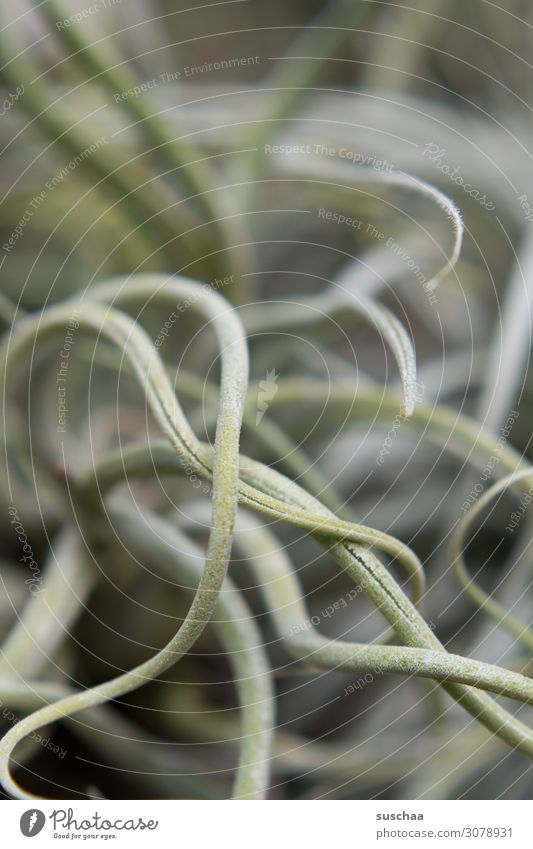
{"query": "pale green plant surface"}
[(269, 492)]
